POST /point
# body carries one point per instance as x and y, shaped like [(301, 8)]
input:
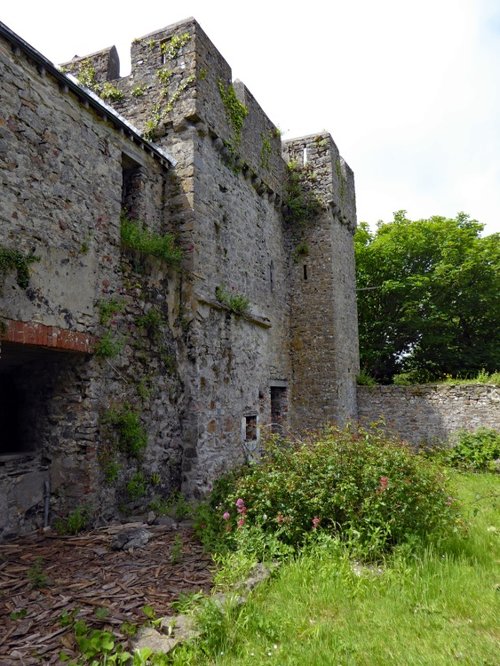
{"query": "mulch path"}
[(84, 573)]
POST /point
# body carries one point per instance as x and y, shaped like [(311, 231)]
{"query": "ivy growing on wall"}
[(236, 111)]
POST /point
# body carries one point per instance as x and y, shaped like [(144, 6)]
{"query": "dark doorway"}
[(28, 377)]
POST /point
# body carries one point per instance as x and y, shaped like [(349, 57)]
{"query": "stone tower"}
[(292, 360)]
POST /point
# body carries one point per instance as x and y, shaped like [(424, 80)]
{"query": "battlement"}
[(334, 179)]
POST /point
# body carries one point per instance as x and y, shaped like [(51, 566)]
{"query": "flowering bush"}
[(358, 484)]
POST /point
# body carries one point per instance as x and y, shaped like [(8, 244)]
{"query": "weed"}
[(138, 91), (87, 75), (101, 613), (175, 506), (170, 50), (131, 438), (237, 303), (301, 250), (75, 522), (137, 486), (111, 469), (110, 92), (152, 321), (36, 575), (14, 260), (164, 75), (364, 379), (18, 614), (108, 346), (67, 618), (187, 601), (265, 150), (129, 629), (108, 309), (176, 550), (147, 244)]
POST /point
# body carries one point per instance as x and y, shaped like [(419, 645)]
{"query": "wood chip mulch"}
[(84, 573)]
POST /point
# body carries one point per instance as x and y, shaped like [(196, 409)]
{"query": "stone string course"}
[(426, 414)]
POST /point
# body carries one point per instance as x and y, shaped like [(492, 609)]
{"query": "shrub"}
[(359, 485), (145, 243), (475, 450), (364, 379)]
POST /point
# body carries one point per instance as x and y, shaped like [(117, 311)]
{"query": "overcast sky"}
[(410, 91)]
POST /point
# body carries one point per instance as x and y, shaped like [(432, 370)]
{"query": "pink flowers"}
[(240, 506), (383, 483), (241, 509), (315, 522), (226, 515)]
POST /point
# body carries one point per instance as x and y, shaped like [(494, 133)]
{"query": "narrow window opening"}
[(305, 272), (132, 187), (163, 49), (304, 156), (251, 428), (271, 275), (279, 407)]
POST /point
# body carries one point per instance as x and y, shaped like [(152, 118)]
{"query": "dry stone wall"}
[(430, 414)]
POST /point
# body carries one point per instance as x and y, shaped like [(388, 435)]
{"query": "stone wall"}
[(427, 414), (62, 165), (324, 339), (200, 379)]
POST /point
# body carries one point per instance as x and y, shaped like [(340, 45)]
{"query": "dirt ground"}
[(44, 577)]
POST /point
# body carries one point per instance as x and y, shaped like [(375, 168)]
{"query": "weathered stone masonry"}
[(430, 413), (202, 382)]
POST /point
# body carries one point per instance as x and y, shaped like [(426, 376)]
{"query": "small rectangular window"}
[(305, 272), (251, 428)]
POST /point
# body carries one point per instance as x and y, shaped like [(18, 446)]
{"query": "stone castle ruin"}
[(175, 279)]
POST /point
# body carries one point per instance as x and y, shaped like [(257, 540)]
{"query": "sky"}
[(410, 91)]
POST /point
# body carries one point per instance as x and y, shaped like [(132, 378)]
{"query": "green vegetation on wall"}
[(135, 238), (237, 303), (301, 202), (14, 260), (236, 111)]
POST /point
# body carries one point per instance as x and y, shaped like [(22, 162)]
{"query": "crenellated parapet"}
[(333, 179)]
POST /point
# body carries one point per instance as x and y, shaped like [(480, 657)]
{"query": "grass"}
[(434, 604)]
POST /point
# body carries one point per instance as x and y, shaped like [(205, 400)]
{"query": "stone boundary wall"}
[(426, 414)]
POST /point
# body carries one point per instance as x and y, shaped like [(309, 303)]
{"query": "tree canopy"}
[(428, 298)]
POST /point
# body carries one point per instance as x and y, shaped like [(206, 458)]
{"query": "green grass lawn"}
[(434, 606)]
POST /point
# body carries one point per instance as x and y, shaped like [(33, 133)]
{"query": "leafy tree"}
[(428, 298)]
